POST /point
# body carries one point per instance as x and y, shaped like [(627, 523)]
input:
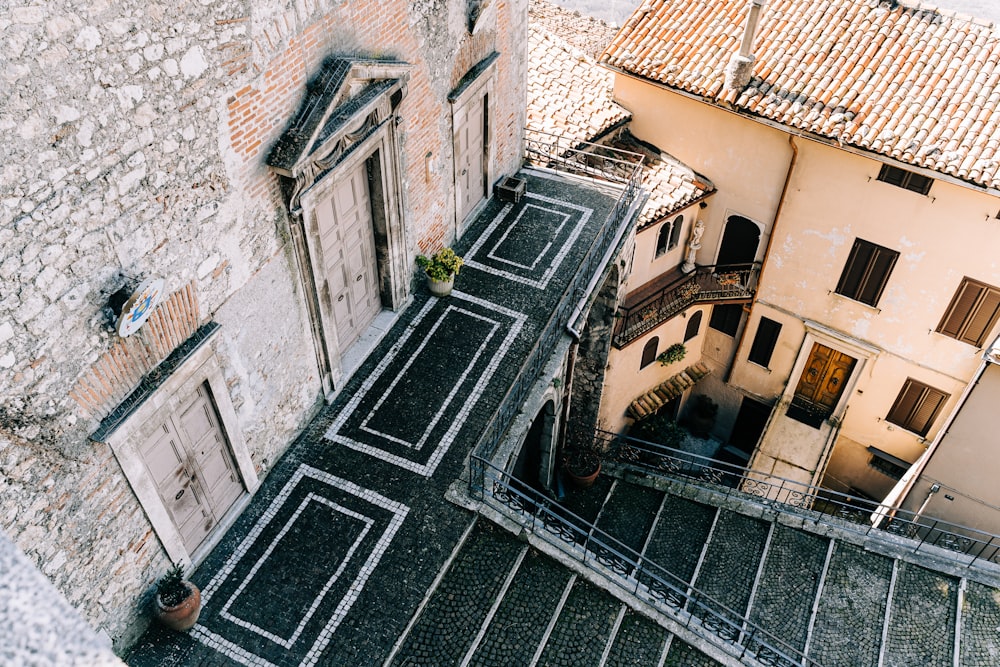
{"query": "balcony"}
[(730, 283)]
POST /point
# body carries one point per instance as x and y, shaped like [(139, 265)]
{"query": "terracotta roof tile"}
[(914, 83)]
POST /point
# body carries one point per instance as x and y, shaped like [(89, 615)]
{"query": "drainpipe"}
[(930, 493), (767, 248)]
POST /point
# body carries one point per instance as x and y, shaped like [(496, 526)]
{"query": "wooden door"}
[(192, 468), (823, 380), (470, 153), (347, 241)]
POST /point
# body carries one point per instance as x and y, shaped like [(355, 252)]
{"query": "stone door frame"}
[(201, 367)]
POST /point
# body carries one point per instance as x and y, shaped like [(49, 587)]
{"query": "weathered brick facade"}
[(135, 139)]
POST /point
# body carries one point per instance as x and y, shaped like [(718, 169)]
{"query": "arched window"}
[(693, 326), (649, 351), (675, 232), (662, 239)]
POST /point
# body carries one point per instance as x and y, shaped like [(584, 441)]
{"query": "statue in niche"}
[(694, 245)]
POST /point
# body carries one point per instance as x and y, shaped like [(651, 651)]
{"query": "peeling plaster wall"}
[(133, 141)]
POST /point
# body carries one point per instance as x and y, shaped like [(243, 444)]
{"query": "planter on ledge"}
[(511, 189)]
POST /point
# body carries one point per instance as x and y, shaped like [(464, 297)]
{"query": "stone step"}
[(681, 654), (851, 610), (731, 563), (921, 623), (639, 641), (980, 638), (463, 599), (587, 503), (679, 536), (784, 596), (629, 512), (583, 628), (517, 628)]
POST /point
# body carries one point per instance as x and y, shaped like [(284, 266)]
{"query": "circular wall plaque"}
[(140, 306)]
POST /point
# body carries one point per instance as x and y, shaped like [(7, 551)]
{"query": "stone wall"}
[(134, 138)]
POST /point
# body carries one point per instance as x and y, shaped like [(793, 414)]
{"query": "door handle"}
[(358, 279), (340, 298), (464, 172), (179, 494)]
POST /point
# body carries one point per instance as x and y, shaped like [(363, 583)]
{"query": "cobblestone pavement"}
[(921, 619), (349, 529), (519, 625), (685, 655), (980, 626), (583, 628), (786, 592), (730, 567), (629, 512), (639, 642), (849, 619), (679, 536)]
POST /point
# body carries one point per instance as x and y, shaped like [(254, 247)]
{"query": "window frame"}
[(956, 325), (693, 322), (647, 357), (763, 348), (866, 277), (908, 180), (675, 233), (916, 393)]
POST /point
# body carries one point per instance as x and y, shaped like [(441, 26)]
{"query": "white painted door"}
[(470, 140), (347, 241), (193, 470)]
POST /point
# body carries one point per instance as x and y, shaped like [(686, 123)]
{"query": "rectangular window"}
[(764, 342), (917, 406), (972, 313), (905, 179), (726, 318), (887, 464), (866, 272)]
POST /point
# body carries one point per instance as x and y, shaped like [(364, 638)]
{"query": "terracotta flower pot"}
[(183, 616), (582, 481)]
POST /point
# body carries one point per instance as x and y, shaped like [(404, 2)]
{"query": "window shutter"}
[(854, 270), (905, 404), (764, 342), (649, 351), (983, 319), (878, 275), (960, 308), (926, 410)]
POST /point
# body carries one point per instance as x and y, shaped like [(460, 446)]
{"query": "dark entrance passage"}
[(749, 426), (528, 467), (739, 242)]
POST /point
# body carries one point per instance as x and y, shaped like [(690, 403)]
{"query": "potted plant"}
[(672, 354), (440, 269), (178, 601), (582, 457)]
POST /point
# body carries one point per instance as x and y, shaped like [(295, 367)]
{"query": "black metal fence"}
[(706, 284), (960, 543), (628, 570), (626, 176)]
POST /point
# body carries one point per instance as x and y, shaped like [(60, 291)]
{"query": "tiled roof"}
[(654, 399), (568, 93), (589, 34), (913, 83), (671, 184)]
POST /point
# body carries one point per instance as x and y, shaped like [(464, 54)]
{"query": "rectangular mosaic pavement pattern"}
[(411, 408), (527, 242), (281, 595)]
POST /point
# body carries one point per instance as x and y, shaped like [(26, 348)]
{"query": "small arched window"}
[(649, 351), (662, 239), (675, 232), (693, 326)]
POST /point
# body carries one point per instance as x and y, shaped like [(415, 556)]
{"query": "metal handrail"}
[(536, 359), (605, 163), (630, 570), (713, 283), (858, 515)]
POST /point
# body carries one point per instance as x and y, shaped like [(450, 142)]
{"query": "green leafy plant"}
[(172, 587), (441, 265), (672, 354)]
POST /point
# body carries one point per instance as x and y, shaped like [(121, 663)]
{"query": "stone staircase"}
[(501, 602), (838, 602)]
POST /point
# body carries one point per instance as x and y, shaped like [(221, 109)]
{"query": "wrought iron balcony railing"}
[(706, 284), (922, 533), (625, 568)]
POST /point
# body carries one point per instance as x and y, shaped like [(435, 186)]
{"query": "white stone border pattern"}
[(427, 469), (419, 444), (287, 643), (246, 657), (542, 282), (510, 228)]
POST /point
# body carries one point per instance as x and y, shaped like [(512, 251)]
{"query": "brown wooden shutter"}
[(854, 270), (925, 412), (878, 275), (916, 407), (982, 320), (905, 403), (961, 306)]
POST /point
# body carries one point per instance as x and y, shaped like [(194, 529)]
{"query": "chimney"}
[(741, 64)]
